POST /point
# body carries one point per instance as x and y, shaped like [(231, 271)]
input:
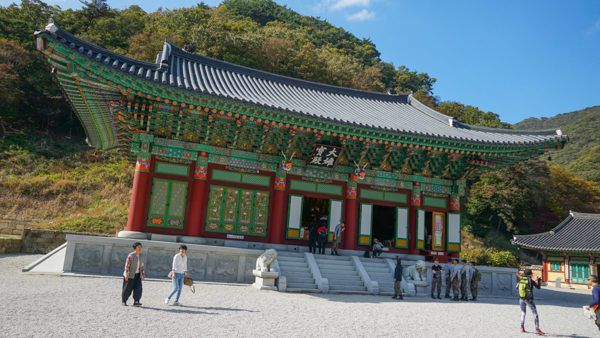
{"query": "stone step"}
[(290, 259), (300, 279), (293, 263), (378, 276), (292, 285), (344, 283), (335, 263), (346, 288), (333, 258), (299, 290), (340, 273), (377, 270), (286, 272)]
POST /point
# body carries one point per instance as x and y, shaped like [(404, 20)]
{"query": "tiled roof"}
[(400, 113), (579, 232)]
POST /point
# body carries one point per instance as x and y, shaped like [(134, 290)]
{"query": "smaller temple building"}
[(570, 251)]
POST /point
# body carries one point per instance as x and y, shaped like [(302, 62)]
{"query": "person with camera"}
[(525, 287), (178, 273)]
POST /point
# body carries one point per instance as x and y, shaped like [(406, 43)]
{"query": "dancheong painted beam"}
[(225, 151)]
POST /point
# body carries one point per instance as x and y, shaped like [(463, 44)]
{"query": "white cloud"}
[(342, 4), (363, 15)]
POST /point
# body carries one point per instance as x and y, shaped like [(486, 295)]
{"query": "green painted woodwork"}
[(555, 259), (110, 76), (167, 203), (386, 196), (231, 176), (555, 266), (237, 211), (429, 201), (171, 169), (579, 273), (322, 188)]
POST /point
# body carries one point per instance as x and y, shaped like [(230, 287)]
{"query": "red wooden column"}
[(351, 215), (278, 209), (198, 197), (415, 203), (137, 205)]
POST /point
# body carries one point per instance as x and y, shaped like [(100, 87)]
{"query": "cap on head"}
[(398, 259), (527, 272)]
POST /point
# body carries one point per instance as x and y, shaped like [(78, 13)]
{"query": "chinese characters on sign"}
[(324, 156)]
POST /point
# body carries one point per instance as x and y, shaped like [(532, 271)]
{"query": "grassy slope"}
[(63, 185), (582, 154)]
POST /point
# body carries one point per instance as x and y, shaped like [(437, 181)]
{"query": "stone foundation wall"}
[(106, 256), (13, 226), (10, 245)]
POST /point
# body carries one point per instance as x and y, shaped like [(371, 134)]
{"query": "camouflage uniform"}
[(475, 283), (447, 273), (463, 285), (455, 280)]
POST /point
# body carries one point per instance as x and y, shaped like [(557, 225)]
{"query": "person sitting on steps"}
[(377, 248)]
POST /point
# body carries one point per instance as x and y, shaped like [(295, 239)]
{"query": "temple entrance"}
[(313, 209), (384, 223)]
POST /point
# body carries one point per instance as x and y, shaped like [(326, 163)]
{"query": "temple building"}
[(227, 152), (570, 251)]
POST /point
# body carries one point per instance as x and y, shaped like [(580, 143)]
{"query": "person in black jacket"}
[(312, 239), (398, 279)]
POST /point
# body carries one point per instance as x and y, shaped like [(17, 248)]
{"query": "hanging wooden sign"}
[(324, 155)]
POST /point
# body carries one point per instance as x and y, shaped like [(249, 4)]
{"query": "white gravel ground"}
[(45, 306)]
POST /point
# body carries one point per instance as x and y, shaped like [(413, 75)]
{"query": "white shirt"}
[(180, 263)]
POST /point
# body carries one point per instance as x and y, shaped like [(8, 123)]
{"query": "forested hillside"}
[(48, 174), (581, 155)]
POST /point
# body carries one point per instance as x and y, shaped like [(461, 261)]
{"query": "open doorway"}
[(314, 209), (384, 224)]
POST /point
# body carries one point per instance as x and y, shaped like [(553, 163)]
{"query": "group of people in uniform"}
[(460, 278)]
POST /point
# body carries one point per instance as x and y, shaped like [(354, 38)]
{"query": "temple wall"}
[(106, 256)]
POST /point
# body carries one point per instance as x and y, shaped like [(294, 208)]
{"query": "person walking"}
[(447, 275), (594, 306), (322, 237), (133, 276), (436, 279), (525, 287), (337, 238), (398, 280), (312, 239), (178, 272)]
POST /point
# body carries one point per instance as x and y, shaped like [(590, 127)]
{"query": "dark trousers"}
[(321, 243), (132, 284), (377, 253), (312, 246)]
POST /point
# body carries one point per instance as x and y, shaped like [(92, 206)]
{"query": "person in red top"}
[(322, 236)]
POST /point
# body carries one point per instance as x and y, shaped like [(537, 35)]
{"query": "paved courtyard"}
[(43, 306)]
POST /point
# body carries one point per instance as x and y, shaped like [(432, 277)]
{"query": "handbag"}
[(171, 274), (189, 282)]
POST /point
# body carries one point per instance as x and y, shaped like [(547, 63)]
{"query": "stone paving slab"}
[(53, 306)]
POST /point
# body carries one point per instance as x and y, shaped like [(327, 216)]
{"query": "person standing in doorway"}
[(595, 305), (436, 279), (133, 276), (337, 238), (525, 287), (312, 238), (377, 248), (398, 280), (178, 272), (322, 237)]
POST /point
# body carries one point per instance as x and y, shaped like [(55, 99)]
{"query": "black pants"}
[(312, 246), (321, 243), (377, 253), (132, 284)]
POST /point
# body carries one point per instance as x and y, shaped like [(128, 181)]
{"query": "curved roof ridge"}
[(545, 132), (323, 87), (584, 215)]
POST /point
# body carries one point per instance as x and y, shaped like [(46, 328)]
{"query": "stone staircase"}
[(341, 273), (293, 266), (379, 271)]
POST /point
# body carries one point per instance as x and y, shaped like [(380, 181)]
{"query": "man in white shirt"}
[(178, 273)]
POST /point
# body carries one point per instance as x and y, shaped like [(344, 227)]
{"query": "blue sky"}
[(515, 58)]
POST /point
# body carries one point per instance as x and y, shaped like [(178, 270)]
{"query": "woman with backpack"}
[(322, 237), (525, 288)]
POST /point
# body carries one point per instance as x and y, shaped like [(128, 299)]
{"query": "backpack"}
[(524, 287), (323, 233)]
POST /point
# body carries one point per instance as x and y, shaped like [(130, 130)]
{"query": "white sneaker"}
[(166, 301)]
